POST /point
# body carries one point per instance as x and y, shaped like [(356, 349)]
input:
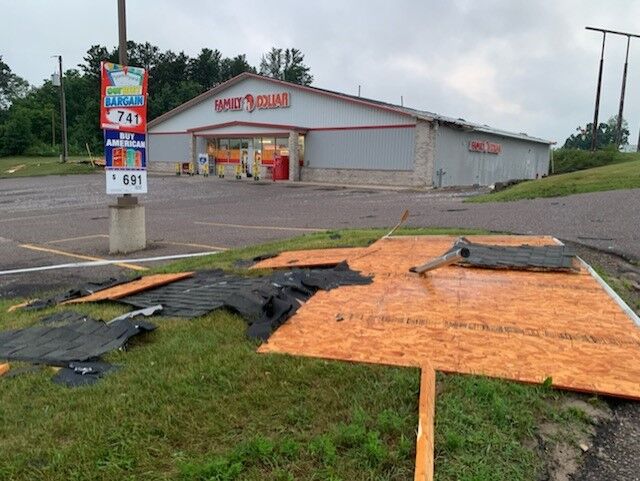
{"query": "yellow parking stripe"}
[(80, 256), (204, 246)]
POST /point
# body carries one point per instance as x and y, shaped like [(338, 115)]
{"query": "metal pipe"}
[(445, 260), (616, 32)]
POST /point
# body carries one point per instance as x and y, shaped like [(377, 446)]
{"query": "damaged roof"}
[(418, 114)]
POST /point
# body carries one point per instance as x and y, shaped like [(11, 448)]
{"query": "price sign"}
[(123, 98), (124, 181)]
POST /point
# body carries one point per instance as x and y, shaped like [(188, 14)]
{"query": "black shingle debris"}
[(82, 373), (64, 318), (525, 257), (77, 341), (265, 302)]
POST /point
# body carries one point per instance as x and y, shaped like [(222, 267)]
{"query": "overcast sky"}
[(519, 65)]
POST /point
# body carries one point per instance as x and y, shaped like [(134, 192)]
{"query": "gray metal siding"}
[(373, 149), (519, 159), (169, 147), (307, 109)]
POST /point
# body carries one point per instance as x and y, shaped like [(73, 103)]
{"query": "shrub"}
[(570, 160)]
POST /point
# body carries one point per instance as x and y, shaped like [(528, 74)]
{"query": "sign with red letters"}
[(252, 102), (485, 147)]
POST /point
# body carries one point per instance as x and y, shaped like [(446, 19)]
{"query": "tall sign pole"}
[(594, 132), (624, 85), (123, 117), (122, 32), (594, 138)]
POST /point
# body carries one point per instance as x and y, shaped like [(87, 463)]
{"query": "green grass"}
[(625, 175), (194, 401), (43, 166)]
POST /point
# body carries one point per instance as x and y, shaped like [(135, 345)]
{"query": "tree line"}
[(30, 116)]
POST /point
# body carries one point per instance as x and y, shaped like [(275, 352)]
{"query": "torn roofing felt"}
[(525, 257), (76, 341), (265, 302)]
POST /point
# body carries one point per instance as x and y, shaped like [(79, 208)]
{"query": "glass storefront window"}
[(282, 145), (268, 150)]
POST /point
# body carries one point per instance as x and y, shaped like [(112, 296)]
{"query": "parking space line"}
[(14, 219), (187, 244), (260, 227), (69, 239), (80, 256)]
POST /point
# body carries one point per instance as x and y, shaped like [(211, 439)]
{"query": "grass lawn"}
[(625, 175), (194, 401), (31, 166)]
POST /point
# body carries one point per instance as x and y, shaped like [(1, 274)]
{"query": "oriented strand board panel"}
[(133, 287), (309, 258), (518, 325), (426, 418)]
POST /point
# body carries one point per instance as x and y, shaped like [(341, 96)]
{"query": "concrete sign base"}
[(127, 231)]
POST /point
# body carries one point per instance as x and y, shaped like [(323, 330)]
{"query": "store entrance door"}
[(246, 155)]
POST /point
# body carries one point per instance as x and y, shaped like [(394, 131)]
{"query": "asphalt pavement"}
[(64, 219)]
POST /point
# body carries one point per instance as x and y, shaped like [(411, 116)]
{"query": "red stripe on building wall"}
[(168, 133), (365, 127), (244, 135)]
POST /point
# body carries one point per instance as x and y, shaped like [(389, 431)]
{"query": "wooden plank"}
[(309, 258), (426, 419), (130, 288)]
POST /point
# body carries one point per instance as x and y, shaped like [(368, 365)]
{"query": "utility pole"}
[(63, 112), (624, 85), (594, 140)]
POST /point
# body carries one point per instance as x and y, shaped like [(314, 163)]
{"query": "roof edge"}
[(224, 85)]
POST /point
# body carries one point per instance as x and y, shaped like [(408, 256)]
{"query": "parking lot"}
[(55, 220)]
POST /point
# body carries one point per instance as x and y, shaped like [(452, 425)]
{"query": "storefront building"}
[(254, 126)]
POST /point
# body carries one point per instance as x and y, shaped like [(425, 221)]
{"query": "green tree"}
[(12, 87), (205, 68), (606, 135), (286, 65), (231, 67), (16, 133)]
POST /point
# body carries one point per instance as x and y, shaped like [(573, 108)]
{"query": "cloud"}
[(523, 66)]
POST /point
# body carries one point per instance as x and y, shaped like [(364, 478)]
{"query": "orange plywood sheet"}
[(426, 416), (518, 325), (309, 258), (133, 287)]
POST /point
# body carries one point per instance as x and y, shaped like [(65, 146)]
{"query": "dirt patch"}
[(562, 442)]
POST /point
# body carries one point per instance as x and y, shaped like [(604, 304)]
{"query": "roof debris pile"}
[(265, 302)]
